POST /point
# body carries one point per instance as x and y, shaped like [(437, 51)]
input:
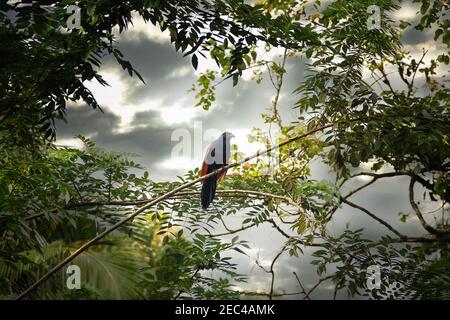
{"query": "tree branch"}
[(232, 231), (278, 85), (387, 225), (220, 192), (411, 86), (272, 272), (301, 286), (317, 284), (416, 209)]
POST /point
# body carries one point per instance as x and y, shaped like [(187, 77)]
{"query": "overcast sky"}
[(142, 118)]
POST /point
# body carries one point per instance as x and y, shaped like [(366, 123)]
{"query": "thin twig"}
[(416, 209), (278, 86), (373, 216), (411, 87), (272, 265), (317, 284), (301, 286)]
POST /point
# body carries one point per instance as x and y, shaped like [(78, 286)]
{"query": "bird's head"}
[(228, 135)]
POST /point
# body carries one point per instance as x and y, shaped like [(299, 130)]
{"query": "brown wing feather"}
[(204, 169)]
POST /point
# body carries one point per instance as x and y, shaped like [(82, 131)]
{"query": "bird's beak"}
[(232, 136)]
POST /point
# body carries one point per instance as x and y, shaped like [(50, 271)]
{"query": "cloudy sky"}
[(146, 118)]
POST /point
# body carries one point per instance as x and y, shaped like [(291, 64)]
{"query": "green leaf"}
[(194, 61), (235, 79)]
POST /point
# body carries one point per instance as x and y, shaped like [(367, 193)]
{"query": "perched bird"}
[(217, 156)]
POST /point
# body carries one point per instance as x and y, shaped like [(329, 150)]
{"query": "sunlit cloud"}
[(407, 13), (111, 95), (71, 143), (241, 140), (177, 114), (179, 163), (113, 98), (140, 27), (180, 72)]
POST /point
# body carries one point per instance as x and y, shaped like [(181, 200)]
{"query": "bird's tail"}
[(208, 191)]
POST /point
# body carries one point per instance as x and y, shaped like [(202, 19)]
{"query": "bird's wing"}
[(204, 169), (217, 145)]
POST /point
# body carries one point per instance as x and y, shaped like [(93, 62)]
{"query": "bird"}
[(217, 156)]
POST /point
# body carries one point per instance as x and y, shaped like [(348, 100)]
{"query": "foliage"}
[(72, 195), (407, 272), (177, 271), (393, 129), (44, 64)]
